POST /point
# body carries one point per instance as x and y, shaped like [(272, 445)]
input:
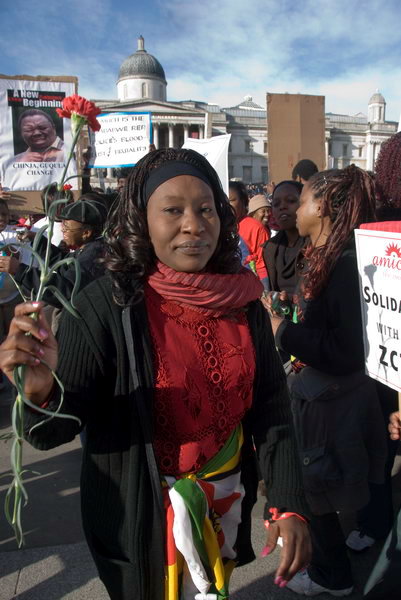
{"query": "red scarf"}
[(213, 294)]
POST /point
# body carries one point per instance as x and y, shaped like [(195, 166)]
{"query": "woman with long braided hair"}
[(388, 179), (174, 372), (337, 415)]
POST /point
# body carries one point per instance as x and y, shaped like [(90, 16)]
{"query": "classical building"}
[(142, 86), (358, 139)]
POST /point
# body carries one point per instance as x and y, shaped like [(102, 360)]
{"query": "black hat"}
[(88, 212)]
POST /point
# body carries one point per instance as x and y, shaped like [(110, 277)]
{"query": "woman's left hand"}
[(297, 548)]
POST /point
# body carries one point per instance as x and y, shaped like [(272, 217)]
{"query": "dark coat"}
[(337, 411), (121, 511)]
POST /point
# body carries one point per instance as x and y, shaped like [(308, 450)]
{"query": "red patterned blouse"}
[(204, 370)]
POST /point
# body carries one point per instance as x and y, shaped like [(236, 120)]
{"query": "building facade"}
[(358, 139), (142, 86)]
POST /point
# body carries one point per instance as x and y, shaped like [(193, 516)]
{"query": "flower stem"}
[(74, 143)]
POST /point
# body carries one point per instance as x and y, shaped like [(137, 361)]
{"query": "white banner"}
[(215, 149), (379, 265), (122, 141), (34, 140)]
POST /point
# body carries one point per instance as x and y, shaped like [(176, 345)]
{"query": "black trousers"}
[(330, 565)]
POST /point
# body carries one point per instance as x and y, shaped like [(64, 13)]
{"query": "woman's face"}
[(237, 204), (284, 206), (4, 217), (262, 215), (183, 223), (309, 221)]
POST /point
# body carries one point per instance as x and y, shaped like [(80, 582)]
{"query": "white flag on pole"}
[(215, 150)]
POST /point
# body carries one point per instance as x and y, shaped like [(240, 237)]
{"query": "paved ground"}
[(55, 562)]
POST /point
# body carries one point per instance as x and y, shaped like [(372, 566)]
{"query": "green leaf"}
[(63, 300)]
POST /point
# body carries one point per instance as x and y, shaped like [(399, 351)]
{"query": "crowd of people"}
[(219, 344)]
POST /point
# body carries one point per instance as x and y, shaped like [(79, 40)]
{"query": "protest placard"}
[(379, 265), (122, 141), (215, 149), (34, 140)]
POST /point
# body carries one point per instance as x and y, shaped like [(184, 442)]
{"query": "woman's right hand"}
[(21, 349)]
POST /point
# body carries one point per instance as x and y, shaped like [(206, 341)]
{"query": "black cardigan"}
[(120, 513)]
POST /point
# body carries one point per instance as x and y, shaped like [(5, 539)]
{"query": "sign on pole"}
[(122, 141), (379, 265), (34, 141), (215, 149)]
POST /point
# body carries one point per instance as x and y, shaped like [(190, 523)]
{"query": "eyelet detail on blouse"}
[(216, 377), (212, 362), (208, 346)]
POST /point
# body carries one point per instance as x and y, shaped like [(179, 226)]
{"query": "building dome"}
[(377, 98), (141, 77), (141, 65)]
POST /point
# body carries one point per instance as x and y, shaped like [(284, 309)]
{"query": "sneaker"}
[(359, 541), (302, 584)]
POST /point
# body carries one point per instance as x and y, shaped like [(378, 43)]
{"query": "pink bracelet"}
[(277, 516)]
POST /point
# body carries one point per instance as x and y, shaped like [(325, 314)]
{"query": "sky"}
[(215, 51)]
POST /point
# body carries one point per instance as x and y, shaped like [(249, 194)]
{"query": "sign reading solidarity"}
[(379, 265), (123, 139)]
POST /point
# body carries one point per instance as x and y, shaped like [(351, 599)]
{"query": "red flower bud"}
[(82, 107)]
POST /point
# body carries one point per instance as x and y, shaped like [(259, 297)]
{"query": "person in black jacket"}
[(82, 226), (173, 371), (336, 409), (375, 520)]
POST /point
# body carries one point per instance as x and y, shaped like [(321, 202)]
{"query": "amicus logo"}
[(393, 250), (392, 258)]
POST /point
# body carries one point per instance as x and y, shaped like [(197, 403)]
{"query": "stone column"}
[(369, 155), (186, 131), (156, 135), (170, 135), (201, 131), (109, 173)]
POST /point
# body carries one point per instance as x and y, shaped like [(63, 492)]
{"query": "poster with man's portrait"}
[(34, 140)]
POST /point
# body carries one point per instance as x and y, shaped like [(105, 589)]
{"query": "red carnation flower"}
[(76, 106), (67, 186)]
